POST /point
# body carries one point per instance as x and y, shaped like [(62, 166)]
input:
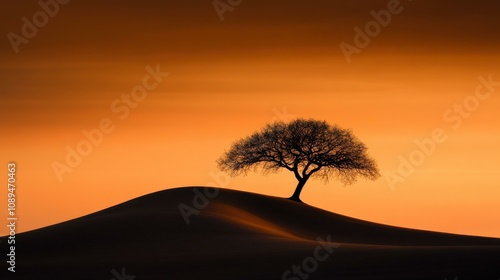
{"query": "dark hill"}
[(241, 235)]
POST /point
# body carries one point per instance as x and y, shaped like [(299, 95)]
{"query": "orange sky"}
[(228, 79)]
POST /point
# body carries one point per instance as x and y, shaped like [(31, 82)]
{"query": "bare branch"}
[(306, 148)]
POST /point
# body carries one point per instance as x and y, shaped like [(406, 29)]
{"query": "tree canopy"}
[(308, 148)]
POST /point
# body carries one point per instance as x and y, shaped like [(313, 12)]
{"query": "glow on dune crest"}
[(245, 219)]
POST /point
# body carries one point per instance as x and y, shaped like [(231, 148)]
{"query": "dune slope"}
[(239, 235)]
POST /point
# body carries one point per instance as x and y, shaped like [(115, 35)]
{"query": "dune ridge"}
[(241, 235)]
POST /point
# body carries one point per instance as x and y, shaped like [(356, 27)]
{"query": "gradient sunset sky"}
[(265, 61)]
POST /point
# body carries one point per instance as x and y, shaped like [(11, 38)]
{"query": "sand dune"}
[(241, 235)]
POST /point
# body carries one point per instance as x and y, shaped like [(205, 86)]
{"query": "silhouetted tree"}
[(308, 148)]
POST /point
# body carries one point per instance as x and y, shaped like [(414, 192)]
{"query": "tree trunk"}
[(296, 194)]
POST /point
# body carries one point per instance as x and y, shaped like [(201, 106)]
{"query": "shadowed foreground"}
[(242, 235)]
